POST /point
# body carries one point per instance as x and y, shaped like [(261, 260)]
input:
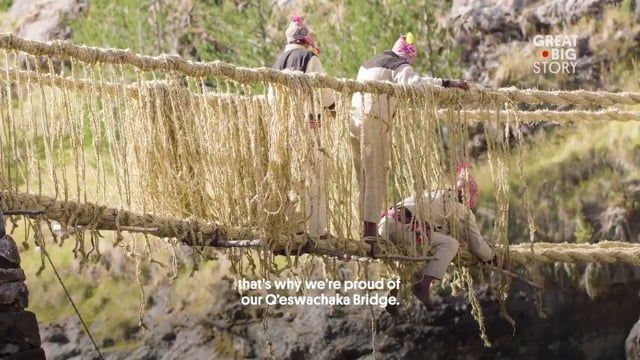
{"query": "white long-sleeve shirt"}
[(439, 208), (387, 66)]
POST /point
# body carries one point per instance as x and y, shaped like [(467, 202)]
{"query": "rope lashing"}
[(602, 252)]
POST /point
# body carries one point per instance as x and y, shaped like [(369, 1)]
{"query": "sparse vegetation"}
[(252, 33), (5, 5)]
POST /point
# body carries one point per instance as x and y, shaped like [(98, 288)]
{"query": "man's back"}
[(382, 67), (436, 207), (297, 58), (441, 207)]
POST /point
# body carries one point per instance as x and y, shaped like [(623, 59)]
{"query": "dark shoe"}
[(393, 310), (421, 291)]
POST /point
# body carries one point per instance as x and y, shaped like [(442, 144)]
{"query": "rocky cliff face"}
[(42, 20), (492, 31), (576, 327)]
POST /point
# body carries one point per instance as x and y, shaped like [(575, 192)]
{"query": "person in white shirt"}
[(371, 116), (428, 222), (302, 54)]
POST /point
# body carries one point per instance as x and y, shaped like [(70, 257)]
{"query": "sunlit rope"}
[(603, 252), (242, 75)]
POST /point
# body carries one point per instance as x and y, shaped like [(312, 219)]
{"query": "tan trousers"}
[(371, 163), (445, 249)]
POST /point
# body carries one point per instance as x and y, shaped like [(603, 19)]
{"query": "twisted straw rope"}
[(603, 252), (93, 55), (66, 82), (553, 116), (133, 91), (194, 232), (191, 232)]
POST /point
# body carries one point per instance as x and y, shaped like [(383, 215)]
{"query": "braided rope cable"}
[(216, 236), (603, 252), (133, 91), (553, 116), (171, 63)]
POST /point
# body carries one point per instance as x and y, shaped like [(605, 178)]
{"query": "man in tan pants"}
[(370, 126), (302, 54), (411, 223)]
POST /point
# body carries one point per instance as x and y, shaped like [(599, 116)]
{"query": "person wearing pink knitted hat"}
[(302, 54), (371, 115), (425, 221)]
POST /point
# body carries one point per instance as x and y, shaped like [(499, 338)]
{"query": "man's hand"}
[(331, 109)]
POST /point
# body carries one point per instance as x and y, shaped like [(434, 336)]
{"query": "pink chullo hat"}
[(406, 48), (298, 33), (466, 183), (297, 29)]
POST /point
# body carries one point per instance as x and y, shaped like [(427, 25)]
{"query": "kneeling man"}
[(403, 225)]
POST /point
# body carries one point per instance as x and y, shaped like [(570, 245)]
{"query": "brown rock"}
[(42, 20), (11, 275), (13, 296), (9, 254), (557, 12), (33, 354), (20, 328)]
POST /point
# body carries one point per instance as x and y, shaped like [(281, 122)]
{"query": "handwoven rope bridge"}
[(176, 151), (213, 155)]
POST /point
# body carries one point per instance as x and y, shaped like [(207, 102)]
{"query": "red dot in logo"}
[(545, 53)]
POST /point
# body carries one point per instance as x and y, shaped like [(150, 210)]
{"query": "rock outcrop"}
[(576, 327), (42, 20), (491, 32), (19, 333)]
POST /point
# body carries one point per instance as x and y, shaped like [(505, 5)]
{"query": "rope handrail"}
[(602, 252), (94, 55), (214, 235), (133, 90), (553, 116)]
